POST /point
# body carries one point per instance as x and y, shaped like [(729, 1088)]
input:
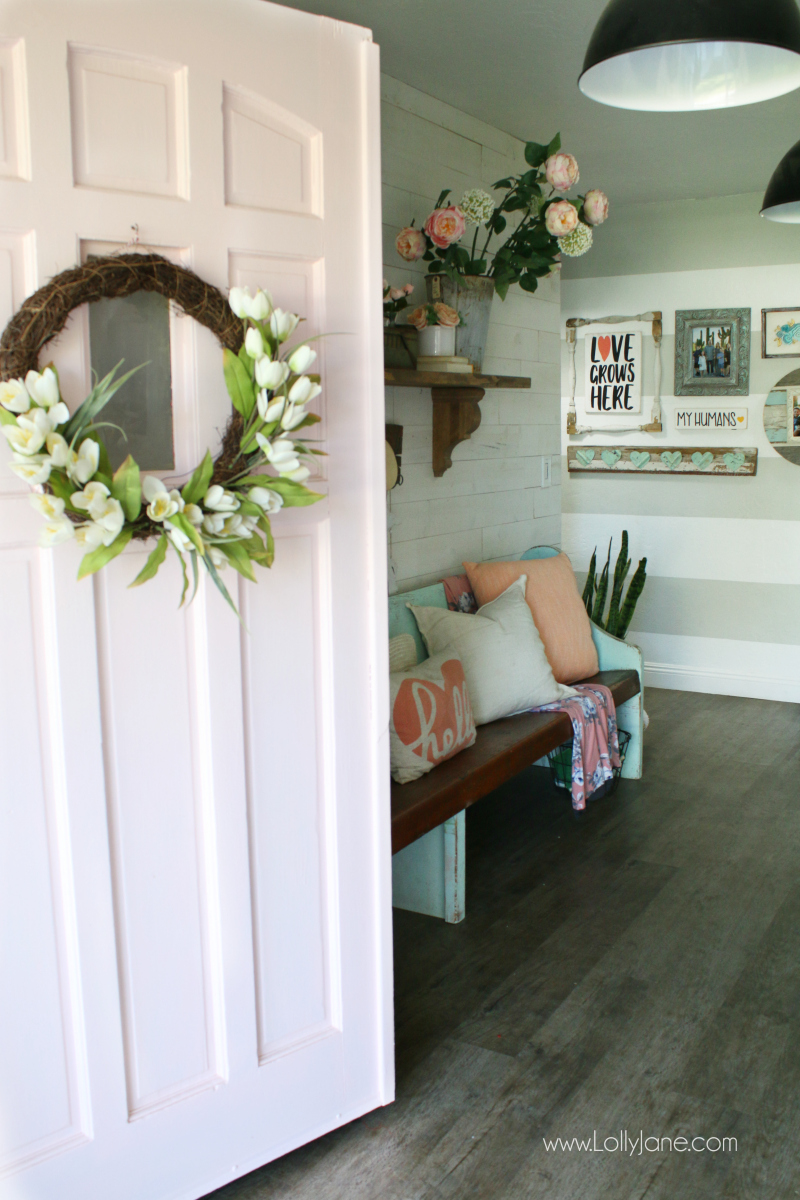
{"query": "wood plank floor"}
[(638, 969)]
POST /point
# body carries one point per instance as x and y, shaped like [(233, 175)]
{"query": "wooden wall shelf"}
[(456, 404)]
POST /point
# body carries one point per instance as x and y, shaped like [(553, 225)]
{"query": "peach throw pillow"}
[(558, 611)]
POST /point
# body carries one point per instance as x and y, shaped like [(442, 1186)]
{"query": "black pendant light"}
[(782, 197), (685, 55)]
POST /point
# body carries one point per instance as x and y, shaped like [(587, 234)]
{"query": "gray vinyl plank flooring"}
[(637, 969)]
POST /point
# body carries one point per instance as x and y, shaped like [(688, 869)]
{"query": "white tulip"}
[(268, 500), (14, 396), (161, 507), (24, 440), (283, 324), (295, 415), (301, 359), (254, 343), (304, 390), (33, 470), (178, 538), (84, 464), (193, 514), (152, 486), (281, 455), (43, 388), (260, 306), (213, 523), (58, 449), (300, 475), (90, 535), (58, 414), (250, 523), (270, 410), (218, 500), (217, 558), (234, 526), (49, 506), (60, 529), (271, 375), (256, 307), (92, 498), (109, 516)]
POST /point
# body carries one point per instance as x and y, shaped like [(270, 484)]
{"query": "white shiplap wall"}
[(490, 504)]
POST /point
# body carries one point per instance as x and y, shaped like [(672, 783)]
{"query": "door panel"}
[(199, 938)]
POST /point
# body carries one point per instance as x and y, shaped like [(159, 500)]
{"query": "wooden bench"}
[(428, 815)]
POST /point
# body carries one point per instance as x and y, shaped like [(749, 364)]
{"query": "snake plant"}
[(595, 593)]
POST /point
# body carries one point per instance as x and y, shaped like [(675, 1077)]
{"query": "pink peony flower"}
[(446, 314), (410, 243), (561, 171), (445, 226), (595, 207), (561, 218), (408, 288), (418, 318)]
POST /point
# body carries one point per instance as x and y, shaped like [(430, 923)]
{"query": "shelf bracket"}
[(456, 416)]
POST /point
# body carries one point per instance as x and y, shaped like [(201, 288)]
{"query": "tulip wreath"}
[(221, 514)]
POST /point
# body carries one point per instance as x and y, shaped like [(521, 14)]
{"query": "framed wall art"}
[(780, 333), (613, 374), (712, 352)]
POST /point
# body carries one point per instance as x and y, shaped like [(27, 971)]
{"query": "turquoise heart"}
[(610, 457), (671, 458), (702, 460), (584, 457), (639, 458), (733, 461)]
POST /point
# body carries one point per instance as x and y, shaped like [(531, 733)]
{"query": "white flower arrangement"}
[(578, 242), (220, 516)]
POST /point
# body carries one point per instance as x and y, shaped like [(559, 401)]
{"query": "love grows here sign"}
[(613, 383)]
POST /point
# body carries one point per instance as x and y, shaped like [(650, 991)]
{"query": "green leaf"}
[(126, 486), (528, 282), (535, 153), (501, 287), (98, 558), (185, 525), (185, 575), (97, 399), (264, 523), (7, 418), (61, 486), (238, 557), (154, 561), (239, 384), (247, 362), (442, 197), (196, 485), (212, 570), (554, 146), (195, 576), (502, 183)]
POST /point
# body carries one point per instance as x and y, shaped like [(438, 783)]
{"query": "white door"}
[(194, 831)]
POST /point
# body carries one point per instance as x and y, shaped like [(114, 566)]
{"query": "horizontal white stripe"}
[(763, 670), (744, 550)]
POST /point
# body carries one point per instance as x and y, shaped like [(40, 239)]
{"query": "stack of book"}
[(448, 363)]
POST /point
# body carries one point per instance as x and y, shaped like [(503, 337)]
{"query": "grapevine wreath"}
[(220, 516)]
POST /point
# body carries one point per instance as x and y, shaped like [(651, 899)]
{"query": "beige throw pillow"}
[(504, 661)]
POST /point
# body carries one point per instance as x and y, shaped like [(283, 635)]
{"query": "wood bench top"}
[(503, 749)]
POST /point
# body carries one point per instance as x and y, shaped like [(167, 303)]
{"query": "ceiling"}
[(514, 64)]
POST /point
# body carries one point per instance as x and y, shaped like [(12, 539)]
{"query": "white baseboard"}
[(720, 683)]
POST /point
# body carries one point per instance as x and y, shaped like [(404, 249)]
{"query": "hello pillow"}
[(556, 605), (431, 715), (504, 661)]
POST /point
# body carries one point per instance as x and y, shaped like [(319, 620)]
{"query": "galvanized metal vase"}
[(472, 296)]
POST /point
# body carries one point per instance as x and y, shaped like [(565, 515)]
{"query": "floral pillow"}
[(431, 715)]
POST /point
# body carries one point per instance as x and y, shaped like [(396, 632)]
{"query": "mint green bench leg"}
[(428, 876)]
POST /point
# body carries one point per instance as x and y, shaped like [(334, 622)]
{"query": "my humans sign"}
[(613, 383)]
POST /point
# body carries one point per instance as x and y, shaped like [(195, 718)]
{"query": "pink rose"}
[(595, 207), (445, 226), (561, 171), (561, 218), (408, 289), (418, 318), (410, 244), (446, 314)]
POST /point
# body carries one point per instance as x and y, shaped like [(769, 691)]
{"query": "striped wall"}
[(490, 504), (721, 607)]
